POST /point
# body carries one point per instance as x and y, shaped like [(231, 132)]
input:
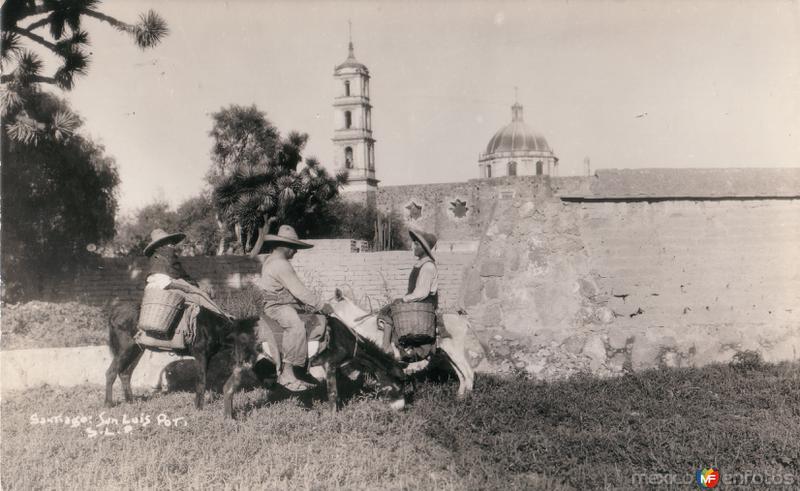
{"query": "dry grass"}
[(512, 434)]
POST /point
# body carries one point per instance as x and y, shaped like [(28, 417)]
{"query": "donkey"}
[(462, 350), (213, 332), (342, 350)]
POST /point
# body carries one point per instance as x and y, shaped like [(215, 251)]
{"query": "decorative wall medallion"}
[(414, 211), (459, 208)]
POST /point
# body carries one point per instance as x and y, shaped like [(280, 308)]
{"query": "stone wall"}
[(619, 271), (602, 277)]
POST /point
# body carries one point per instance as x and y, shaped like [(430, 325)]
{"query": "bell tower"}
[(354, 147)]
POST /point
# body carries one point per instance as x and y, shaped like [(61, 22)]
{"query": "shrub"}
[(747, 360), (242, 304)]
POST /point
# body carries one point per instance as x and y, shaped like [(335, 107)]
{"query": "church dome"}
[(516, 137)]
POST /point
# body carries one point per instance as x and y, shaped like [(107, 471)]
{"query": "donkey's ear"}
[(338, 294)]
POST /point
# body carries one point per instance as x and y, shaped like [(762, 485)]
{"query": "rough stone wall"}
[(595, 276)]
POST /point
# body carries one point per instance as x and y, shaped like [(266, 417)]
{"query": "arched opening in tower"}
[(348, 158)]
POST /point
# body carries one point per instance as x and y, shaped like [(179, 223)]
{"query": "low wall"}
[(372, 278), (68, 367)]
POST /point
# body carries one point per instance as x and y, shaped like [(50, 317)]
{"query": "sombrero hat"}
[(426, 240), (286, 237), (159, 237)]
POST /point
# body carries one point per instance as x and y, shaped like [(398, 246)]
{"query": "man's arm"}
[(424, 282), (286, 274)]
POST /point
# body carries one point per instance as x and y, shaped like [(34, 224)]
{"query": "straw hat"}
[(159, 237), (426, 240), (286, 237)]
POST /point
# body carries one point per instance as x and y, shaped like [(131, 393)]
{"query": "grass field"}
[(512, 434)]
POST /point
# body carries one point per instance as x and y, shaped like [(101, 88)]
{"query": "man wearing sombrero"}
[(284, 294), (423, 284), (166, 272)]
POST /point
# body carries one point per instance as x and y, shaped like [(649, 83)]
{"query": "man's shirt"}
[(427, 280), (282, 286)]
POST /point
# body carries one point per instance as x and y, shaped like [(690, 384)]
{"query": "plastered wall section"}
[(597, 276)]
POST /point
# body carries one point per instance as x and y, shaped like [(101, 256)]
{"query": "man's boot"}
[(289, 380)]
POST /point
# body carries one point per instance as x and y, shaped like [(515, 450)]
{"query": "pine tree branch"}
[(39, 23), (32, 78), (36, 38), (122, 26)]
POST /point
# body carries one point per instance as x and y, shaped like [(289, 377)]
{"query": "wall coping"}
[(644, 184), (654, 184)]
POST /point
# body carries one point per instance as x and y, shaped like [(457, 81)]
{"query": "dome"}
[(516, 137), (351, 62)]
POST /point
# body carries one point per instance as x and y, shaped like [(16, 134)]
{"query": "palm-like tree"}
[(257, 196), (53, 27)]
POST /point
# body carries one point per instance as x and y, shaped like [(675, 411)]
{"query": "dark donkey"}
[(213, 333), (344, 349)]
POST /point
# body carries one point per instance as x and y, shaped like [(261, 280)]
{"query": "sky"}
[(628, 84)]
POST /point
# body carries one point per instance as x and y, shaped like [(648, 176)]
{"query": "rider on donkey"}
[(167, 273), (285, 296), (423, 286)]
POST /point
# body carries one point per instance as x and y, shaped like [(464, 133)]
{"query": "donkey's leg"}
[(127, 371), (111, 377), (200, 387), (124, 361), (230, 388), (331, 380), (466, 376)]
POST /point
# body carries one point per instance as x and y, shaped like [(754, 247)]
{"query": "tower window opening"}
[(539, 168), (348, 158), (347, 88), (348, 119), (512, 168), (488, 171)]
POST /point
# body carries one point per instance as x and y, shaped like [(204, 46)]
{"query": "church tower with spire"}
[(354, 147)]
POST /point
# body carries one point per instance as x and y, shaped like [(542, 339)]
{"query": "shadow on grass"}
[(181, 376)]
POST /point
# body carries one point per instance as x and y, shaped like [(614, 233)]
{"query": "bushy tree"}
[(133, 230), (54, 28), (58, 198), (257, 184), (194, 217)]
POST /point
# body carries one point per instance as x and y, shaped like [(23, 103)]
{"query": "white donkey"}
[(462, 348)]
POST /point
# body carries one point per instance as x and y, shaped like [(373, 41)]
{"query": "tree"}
[(257, 184), (58, 197), (53, 27), (133, 231), (194, 217)]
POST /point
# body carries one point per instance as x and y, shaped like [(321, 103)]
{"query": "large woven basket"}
[(160, 310), (414, 320)]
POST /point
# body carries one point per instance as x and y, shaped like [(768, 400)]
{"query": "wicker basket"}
[(414, 320), (160, 310)]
